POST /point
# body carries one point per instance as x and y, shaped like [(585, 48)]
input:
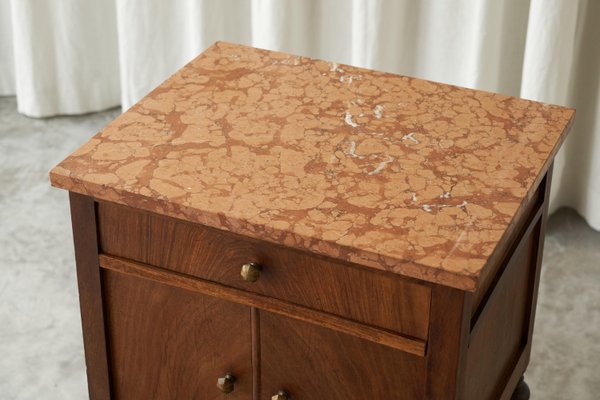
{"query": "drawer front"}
[(370, 297)]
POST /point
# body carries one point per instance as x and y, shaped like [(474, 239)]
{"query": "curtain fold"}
[(64, 56), (7, 61), (70, 56)]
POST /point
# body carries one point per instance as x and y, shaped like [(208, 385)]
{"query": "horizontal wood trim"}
[(377, 335)]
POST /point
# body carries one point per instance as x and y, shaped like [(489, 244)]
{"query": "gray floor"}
[(41, 355)]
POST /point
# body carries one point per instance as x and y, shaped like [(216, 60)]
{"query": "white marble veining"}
[(411, 137), (348, 120), (378, 111), (381, 165)]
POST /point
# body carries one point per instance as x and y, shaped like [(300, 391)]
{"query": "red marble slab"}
[(400, 174)]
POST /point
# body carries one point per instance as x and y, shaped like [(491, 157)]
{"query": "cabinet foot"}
[(521, 391)]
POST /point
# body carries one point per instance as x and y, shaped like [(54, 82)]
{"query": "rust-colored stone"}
[(391, 172)]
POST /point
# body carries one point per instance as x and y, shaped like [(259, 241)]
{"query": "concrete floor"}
[(41, 352)]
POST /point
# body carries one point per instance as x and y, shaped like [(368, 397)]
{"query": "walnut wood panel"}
[(375, 298), (255, 353), (500, 334), (90, 295), (448, 340), (170, 343), (311, 362), (330, 321), (521, 365)]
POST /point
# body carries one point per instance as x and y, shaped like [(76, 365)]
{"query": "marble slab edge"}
[(493, 259), (61, 178)]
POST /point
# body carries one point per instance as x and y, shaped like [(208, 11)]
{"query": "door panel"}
[(169, 343), (311, 362)]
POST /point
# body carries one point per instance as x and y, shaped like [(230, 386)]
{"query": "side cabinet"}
[(170, 310)]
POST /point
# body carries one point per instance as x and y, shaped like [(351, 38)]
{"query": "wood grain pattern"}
[(311, 362), (336, 323), (179, 326), (90, 295), (375, 298), (170, 343), (448, 339)]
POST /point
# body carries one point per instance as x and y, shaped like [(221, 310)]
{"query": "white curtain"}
[(73, 56)]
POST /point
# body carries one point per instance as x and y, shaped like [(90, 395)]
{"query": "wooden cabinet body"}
[(292, 228), (166, 313)]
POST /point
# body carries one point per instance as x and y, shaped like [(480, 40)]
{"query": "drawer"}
[(374, 298)]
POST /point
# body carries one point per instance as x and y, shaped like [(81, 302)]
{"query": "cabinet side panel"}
[(507, 245), (312, 362), (90, 295), (500, 334), (170, 343)]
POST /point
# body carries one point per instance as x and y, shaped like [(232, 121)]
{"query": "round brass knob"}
[(282, 395), (251, 272), (226, 383)]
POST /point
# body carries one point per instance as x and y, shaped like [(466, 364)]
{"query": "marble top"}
[(419, 178)]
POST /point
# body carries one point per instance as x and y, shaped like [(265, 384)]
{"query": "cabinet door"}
[(169, 343), (311, 362)]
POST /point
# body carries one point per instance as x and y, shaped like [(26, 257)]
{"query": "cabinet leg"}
[(521, 391)]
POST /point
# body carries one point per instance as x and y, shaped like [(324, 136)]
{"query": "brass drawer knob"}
[(282, 395), (251, 272), (226, 383)]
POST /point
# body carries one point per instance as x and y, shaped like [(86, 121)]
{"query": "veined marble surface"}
[(419, 178), (40, 331)]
